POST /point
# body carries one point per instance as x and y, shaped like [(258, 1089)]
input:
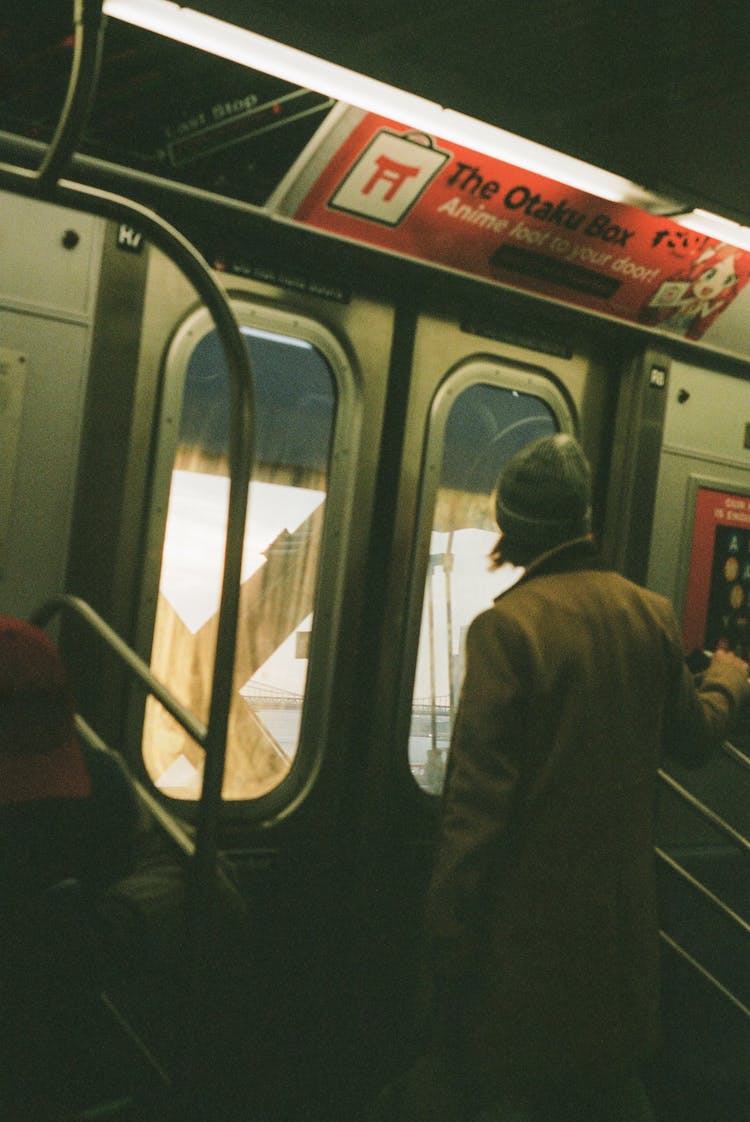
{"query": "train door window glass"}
[(485, 425), (295, 396)]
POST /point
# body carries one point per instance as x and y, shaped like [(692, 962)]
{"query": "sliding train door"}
[(380, 429), (473, 402), (319, 367)]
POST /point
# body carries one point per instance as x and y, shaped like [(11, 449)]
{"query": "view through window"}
[(294, 414), (486, 426)]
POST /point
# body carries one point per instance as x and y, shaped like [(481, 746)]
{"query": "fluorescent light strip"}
[(703, 222), (270, 57), (301, 69), (493, 141), (245, 47)]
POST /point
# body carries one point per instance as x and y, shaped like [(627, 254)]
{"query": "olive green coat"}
[(542, 908)]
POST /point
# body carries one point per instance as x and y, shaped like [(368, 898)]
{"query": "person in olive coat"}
[(541, 913)]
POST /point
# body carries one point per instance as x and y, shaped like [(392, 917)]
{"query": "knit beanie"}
[(543, 496), (40, 757)]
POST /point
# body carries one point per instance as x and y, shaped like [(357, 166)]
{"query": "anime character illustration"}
[(690, 300)]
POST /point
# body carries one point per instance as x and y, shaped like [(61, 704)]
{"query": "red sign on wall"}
[(424, 198), (717, 601)]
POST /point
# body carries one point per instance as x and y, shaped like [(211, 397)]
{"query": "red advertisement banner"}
[(421, 197), (717, 600)]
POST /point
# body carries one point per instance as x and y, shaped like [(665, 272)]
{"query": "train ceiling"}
[(655, 90)]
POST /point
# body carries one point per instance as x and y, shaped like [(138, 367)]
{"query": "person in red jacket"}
[(541, 912), (66, 810)]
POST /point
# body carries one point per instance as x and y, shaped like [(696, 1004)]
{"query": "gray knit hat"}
[(543, 496)]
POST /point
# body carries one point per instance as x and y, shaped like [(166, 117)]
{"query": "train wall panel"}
[(48, 257), (47, 302), (47, 457), (705, 433)]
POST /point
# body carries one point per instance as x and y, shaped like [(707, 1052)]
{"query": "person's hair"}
[(510, 553)]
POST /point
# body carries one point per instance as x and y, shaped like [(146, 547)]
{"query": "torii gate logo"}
[(389, 176)]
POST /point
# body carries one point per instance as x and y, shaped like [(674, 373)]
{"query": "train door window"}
[(481, 417), (298, 384)]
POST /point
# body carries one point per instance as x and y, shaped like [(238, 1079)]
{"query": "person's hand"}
[(730, 659)]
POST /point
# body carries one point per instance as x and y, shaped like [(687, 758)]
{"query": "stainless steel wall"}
[(49, 260)]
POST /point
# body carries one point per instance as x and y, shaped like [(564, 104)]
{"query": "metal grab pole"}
[(241, 439), (45, 182), (241, 454), (449, 559), (57, 605), (88, 25), (84, 75)]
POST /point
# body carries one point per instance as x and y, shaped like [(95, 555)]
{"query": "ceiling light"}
[(704, 222), (226, 40), (301, 69)]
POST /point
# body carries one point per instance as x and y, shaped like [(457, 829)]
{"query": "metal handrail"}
[(735, 754), (167, 821), (65, 602), (45, 180), (704, 811), (697, 886), (59, 604), (89, 25), (701, 888), (241, 453), (204, 864), (706, 974), (241, 442)]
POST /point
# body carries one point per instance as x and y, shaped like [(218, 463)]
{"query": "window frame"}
[(469, 371), (194, 326)]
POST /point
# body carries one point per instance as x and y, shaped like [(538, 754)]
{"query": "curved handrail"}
[(213, 737), (204, 864), (241, 454), (89, 26), (56, 605), (167, 821), (241, 434)]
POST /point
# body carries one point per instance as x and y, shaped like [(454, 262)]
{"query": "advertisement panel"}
[(717, 601), (425, 198)]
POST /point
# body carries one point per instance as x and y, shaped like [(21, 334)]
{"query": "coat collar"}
[(570, 557)]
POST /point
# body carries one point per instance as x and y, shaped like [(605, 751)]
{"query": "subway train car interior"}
[(282, 288)]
